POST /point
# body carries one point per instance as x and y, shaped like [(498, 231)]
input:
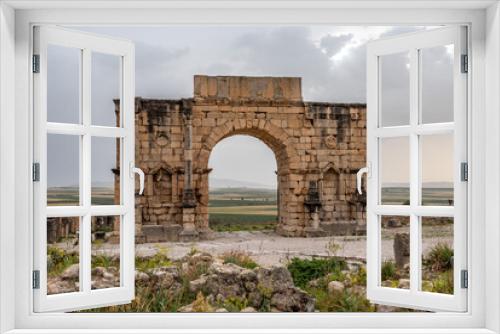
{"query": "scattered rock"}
[(402, 249), (72, 272), (392, 223), (141, 277), (386, 308), (292, 300), (198, 284), (277, 278), (335, 286), (404, 283), (248, 310)]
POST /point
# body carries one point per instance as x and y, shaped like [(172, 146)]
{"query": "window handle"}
[(359, 176), (135, 170)]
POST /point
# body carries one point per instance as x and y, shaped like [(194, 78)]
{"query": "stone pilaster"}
[(188, 196)]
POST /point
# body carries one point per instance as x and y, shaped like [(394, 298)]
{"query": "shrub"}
[(159, 259), (359, 278), (439, 258), (104, 261), (235, 304), (239, 258), (58, 260), (443, 283), (201, 304), (305, 270), (341, 301), (388, 270)]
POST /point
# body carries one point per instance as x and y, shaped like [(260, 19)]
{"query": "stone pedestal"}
[(189, 232), (402, 249)]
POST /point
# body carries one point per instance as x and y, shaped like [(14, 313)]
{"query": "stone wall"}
[(319, 147)]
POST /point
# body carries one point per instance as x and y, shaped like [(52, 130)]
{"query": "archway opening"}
[(243, 186)]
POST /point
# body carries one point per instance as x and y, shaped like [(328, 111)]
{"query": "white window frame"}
[(412, 44), (16, 20), (123, 50)]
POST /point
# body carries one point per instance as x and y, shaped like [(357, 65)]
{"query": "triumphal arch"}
[(318, 147)]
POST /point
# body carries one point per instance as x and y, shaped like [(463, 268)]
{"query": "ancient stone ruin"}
[(319, 147)]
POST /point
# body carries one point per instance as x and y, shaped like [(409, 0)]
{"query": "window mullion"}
[(414, 172), (85, 237)]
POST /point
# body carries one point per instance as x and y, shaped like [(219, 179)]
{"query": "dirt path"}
[(268, 248)]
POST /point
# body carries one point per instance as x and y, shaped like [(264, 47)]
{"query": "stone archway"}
[(273, 137), (174, 138)]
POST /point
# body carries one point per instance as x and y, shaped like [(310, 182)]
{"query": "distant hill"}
[(216, 183)]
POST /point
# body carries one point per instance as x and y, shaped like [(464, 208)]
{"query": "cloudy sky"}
[(330, 60)]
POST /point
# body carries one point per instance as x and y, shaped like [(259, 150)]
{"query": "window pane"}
[(104, 167), (437, 84), (63, 170), (437, 169), (395, 171), (63, 256), (395, 252), (105, 252), (395, 89), (106, 85), (63, 84), (437, 254)]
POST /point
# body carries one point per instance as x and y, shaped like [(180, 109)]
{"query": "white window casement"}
[(472, 29), (410, 129), (84, 134)]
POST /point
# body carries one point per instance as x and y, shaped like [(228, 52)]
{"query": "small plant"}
[(201, 304), (341, 301), (58, 260), (235, 304), (160, 259), (359, 278), (439, 258), (239, 258), (443, 283), (388, 270), (305, 270), (104, 261), (193, 251), (332, 247)]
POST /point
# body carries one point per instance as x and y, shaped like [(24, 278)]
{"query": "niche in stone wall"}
[(330, 191), (162, 185)]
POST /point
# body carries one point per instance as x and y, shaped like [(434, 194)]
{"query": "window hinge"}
[(36, 172), (36, 279), (465, 64), (464, 279), (464, 171), (36, 63)]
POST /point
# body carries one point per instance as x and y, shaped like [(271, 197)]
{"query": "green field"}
[(242, 209), (58, 196), (430, 196)]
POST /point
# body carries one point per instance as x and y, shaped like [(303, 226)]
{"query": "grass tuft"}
[(239, 258), (306, 270)]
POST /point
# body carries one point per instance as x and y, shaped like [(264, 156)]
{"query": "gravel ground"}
[(268, 248)]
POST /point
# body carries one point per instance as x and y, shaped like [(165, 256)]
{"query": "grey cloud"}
[(167, 59), (333, 44)]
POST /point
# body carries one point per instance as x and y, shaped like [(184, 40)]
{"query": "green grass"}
[(439, 258), (219, 203), (241, 259), (160, 259), (59, 260), (229, 222), (388, 271), (70, 196), (305, 270), (259, 210), (340, 301)]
